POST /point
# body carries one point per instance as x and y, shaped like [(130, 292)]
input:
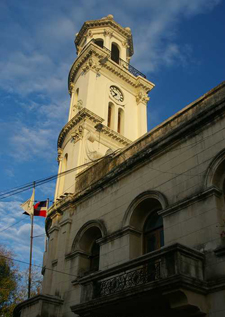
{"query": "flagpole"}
[(31, 244)]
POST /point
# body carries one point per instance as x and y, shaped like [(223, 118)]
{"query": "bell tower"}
[(108, 107)]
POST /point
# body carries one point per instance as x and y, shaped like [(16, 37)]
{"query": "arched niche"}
[(144, 222)]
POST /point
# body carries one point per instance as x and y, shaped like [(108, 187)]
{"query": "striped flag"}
[(40, 209)]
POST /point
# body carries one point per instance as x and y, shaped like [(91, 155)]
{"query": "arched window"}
[(110, 121), (76, 97), (120, 124), (115, 53), (99, 42), (153, 233), (94, 257), (86, 242), (62, 178)]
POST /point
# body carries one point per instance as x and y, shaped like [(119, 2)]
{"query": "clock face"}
[(116, 93)]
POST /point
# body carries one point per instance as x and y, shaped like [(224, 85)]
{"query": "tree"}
[(14, 283), (9, 280), (36, 282)]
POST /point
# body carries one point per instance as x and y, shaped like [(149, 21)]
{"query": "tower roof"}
[(106, 22)]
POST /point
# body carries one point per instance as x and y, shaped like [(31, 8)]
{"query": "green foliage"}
[(9, 280), (13, 283)]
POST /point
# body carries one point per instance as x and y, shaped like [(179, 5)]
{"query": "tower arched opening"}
[(120, 122), (111, 115), (99, 42), (62, 177), (115, 53)]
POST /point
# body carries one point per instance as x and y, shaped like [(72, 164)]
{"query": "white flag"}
[(28, 206)]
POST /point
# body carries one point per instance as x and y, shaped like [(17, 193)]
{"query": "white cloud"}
[(31, 142)]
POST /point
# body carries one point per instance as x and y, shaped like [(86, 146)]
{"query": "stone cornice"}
[(84, 113), (65, 222), (88, 114), (74, 254), (213, 191), (94, 50), (105, 22), (54, 228), (118, 234), (33, 300)]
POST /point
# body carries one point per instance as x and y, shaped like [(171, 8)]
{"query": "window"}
[(153, 233), (86, 242), (62, 177), (110, 121), (120, 125), (115, 53), (94, 257), (99, 42)]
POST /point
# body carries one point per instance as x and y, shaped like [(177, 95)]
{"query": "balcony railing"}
[(126, 65), (160, 269), (148, 273), (122, 63)]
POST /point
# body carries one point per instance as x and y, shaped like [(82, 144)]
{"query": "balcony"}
[(121, 62), (126, 65), (165, 281)]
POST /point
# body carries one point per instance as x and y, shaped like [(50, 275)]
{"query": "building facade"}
[(138, 223)]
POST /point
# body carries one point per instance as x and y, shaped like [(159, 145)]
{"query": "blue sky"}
[(178, 44)]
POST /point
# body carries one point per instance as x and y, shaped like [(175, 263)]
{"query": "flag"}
[(40, 209), (28, 205)]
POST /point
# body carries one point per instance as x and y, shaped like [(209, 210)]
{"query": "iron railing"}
[(122, 63), (126, 65), (148, 273)]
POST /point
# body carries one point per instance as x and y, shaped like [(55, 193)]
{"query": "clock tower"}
[(108, 106)]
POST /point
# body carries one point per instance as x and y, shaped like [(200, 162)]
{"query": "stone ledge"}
[(53, 300), (220, 251), (213, 191)]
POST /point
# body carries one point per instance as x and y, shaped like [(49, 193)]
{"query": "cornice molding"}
[(94, 50), (212, 191), (81, 115), (105, 22), (53, 300), (54, 228), (85, 114), (118, 234)]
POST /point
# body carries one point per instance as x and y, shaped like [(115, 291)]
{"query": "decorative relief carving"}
[(71, 87), (108, 33), (90, 34), (77, 134), (78, 106), (78, 49), (90, 64), (142, 97), (59, 157), (92, 147), (125, 44)]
